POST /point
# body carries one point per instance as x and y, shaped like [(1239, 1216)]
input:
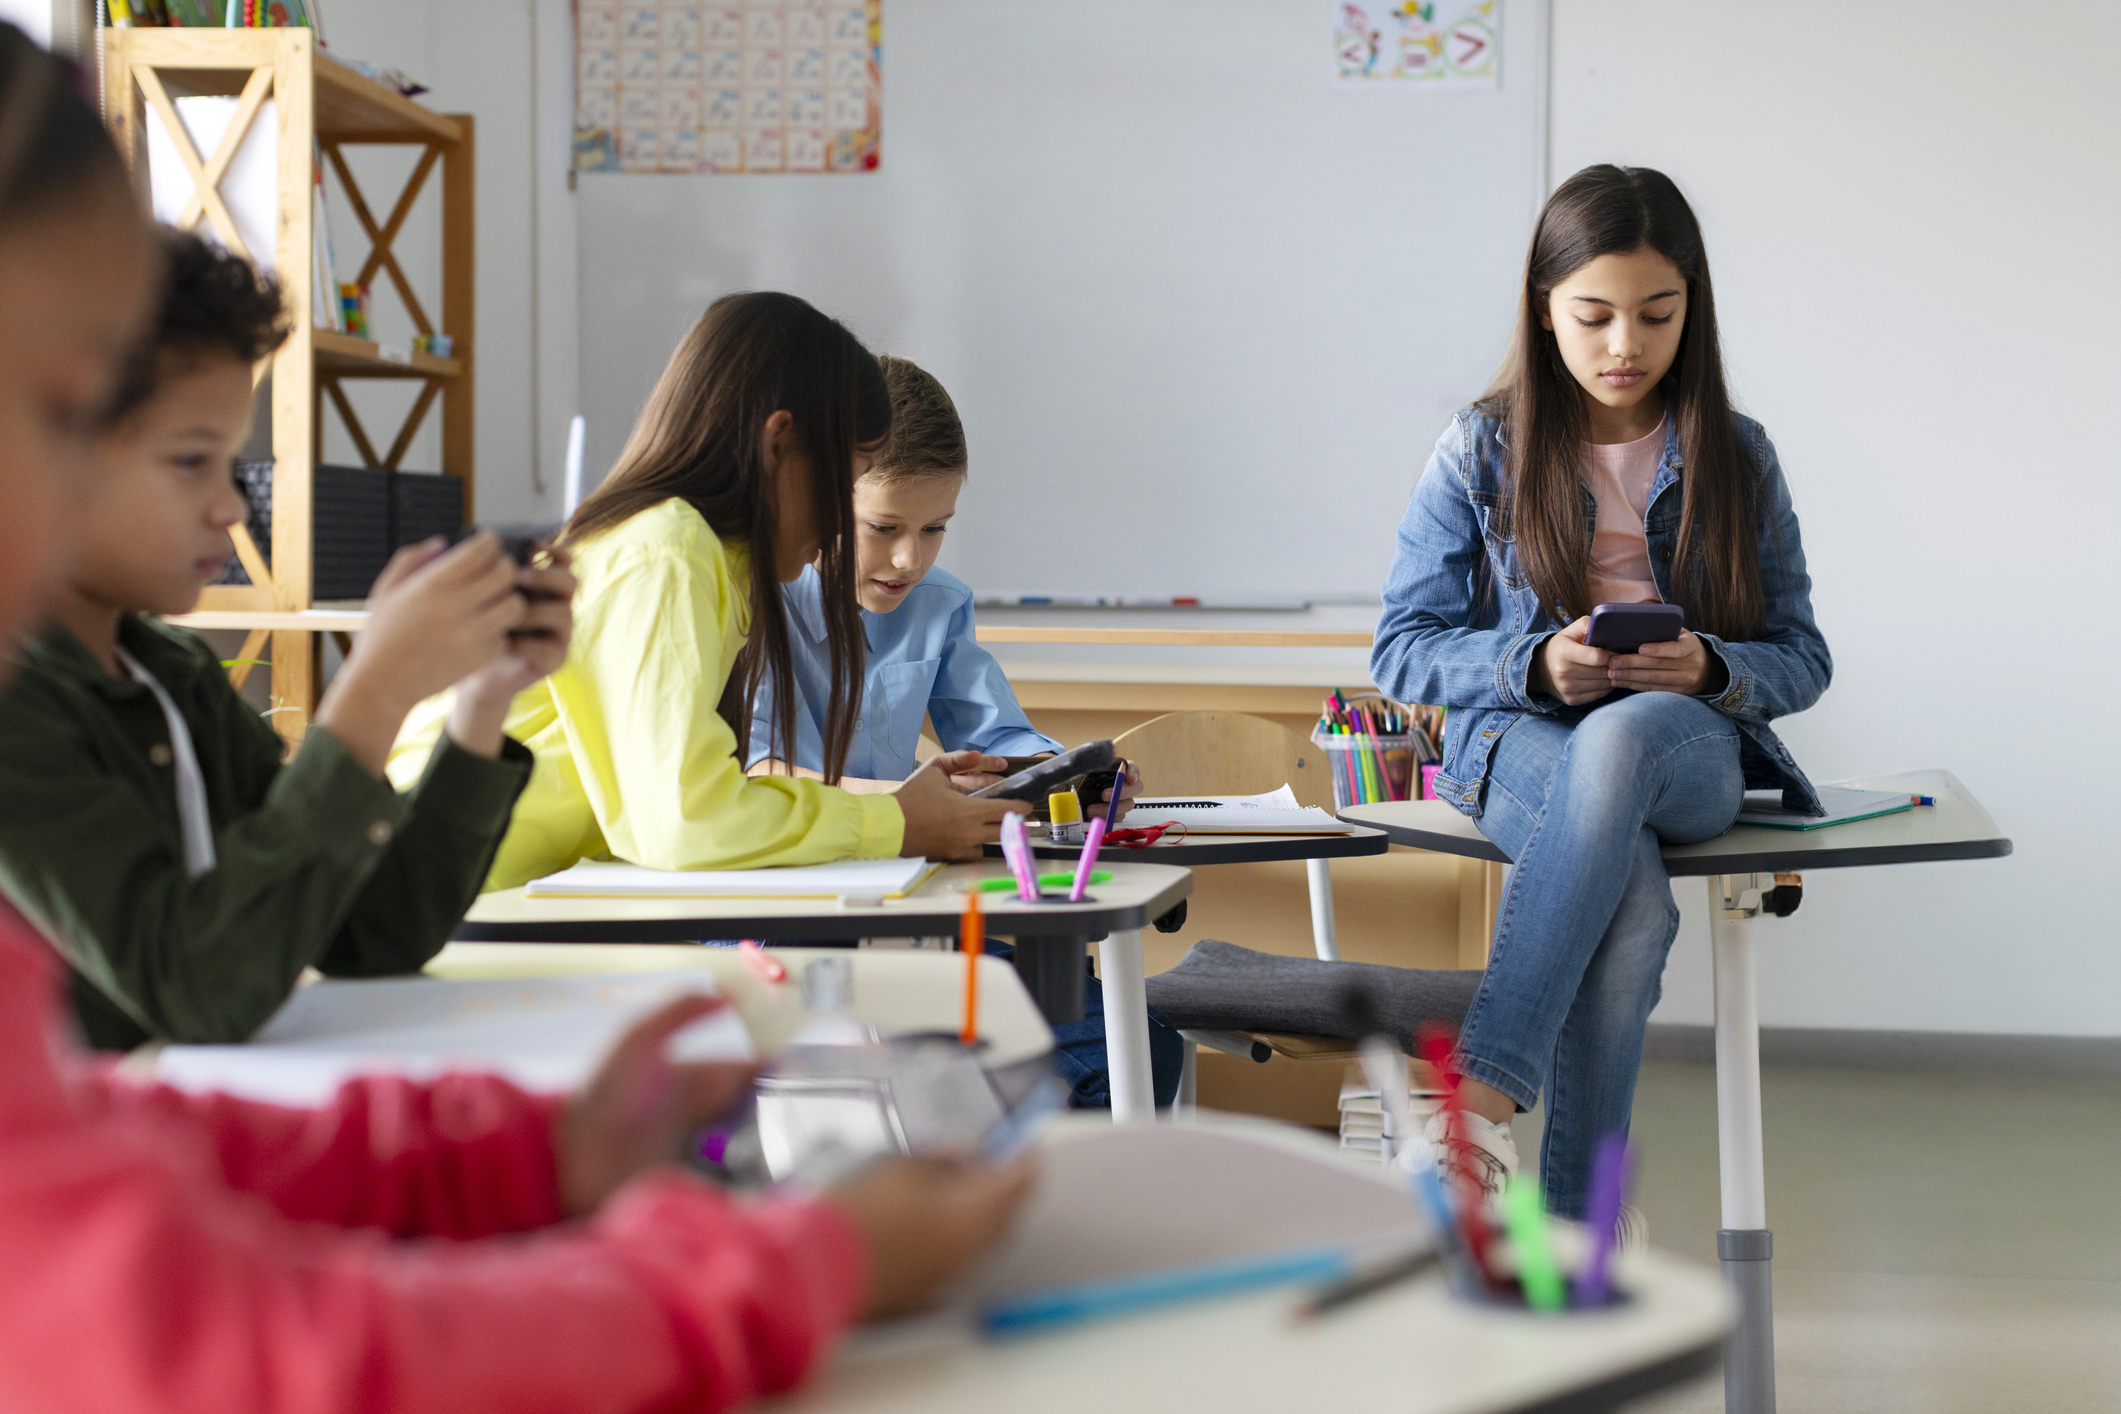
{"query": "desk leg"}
[(1745, 1245), (1320, 874), (1127, 1027)]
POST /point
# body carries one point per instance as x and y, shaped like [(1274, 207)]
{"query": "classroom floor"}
[(1919, 1266)]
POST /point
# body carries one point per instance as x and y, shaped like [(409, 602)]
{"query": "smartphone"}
[(1623, 628), (1036, 782), (521, 543)]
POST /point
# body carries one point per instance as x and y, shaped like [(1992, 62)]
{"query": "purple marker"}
[(1016, 848), (1609, 1182)]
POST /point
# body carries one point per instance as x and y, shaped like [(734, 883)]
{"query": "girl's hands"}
[(940, 823), (641, 1107), (536, 648), (435, 616), (1570, 669), (924, 1219), (1683, 665)]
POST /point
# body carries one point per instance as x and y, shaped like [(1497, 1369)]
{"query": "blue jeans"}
[(1580, 805)]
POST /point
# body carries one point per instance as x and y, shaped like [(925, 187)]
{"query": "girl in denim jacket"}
[(1605, 466)]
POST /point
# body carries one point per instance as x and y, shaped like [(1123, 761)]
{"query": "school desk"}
[(1195, 851), (1051, 938), (1414, 1349), (1740, 866), (897, 992)]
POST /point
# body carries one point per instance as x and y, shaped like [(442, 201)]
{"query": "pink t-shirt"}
[(1620, 475)]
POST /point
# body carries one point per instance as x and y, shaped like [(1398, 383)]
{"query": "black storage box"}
[(360, 516)]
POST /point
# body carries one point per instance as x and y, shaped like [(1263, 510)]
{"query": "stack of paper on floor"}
[(1274, 813), (1118, 1201), (544, 1033), (1362, 1112), (880, 878)]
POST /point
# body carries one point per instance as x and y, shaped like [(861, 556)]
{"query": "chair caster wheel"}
[(1174, 920)]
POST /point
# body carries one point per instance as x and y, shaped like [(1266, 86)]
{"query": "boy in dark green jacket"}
[(151, 828)]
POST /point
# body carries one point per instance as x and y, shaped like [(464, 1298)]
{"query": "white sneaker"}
[(1631, 1232), (1487, 1155)]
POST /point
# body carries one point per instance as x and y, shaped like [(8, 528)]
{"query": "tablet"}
[(1036, 782)]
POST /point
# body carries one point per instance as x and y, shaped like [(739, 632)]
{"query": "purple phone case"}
[(1623, 628)]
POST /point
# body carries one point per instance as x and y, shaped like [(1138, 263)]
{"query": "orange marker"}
[(971, 938)]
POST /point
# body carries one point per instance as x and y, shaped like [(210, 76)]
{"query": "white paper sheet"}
[(543, 1033), (884, 878)]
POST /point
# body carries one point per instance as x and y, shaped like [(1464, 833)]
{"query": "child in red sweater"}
[(168, 1252)]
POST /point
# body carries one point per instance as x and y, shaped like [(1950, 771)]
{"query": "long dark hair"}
[(1607, 210), (698, 439)]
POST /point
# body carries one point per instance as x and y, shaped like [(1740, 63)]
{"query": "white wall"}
[(483, 59), (1913, 234), (1161, 263)]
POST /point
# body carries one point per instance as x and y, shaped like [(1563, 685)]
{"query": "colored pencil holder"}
[(1368, 769)]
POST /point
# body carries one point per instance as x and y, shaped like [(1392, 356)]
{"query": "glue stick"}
[(1065, 811)]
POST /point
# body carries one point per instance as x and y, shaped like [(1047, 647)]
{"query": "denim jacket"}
[(1461, 622)]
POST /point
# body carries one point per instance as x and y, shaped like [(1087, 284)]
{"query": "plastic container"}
[(1368, 769)]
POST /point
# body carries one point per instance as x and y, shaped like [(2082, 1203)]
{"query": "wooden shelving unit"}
[(321, 106)]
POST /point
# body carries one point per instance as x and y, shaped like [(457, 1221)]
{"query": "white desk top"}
[(1414, 1350), (1956, 827), (896, 992), (1136, 895)]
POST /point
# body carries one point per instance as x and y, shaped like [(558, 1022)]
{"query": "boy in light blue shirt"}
[(923, 662)]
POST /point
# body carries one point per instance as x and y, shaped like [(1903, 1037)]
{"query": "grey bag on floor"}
[(1223, 987)]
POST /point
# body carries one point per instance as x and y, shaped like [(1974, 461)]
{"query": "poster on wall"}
[(1410, 47), (761, 86)]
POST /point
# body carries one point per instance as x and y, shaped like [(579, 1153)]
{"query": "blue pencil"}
[(1093, 1300)]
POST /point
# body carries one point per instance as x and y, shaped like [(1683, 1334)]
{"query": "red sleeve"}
[(138, 1278), (467, 1156)]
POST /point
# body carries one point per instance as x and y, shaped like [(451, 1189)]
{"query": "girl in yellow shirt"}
[(739, 473)]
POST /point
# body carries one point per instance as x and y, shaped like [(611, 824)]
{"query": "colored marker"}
[(755, 958), (973, 939), (1016, 849), (1526, 1223), (1472, 1222), (1922, 800), (1609, 1183), (1379, 1276), (1084, 865), (1045, 881), (1428, 1186)]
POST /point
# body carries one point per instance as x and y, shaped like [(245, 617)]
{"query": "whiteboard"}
[(1204, 314)]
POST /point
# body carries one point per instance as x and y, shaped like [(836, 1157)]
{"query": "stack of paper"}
[(1274, 813), (856, 878), (544, 1033), (1362, 1112)]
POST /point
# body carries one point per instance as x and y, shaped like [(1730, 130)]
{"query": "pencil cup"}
[(1368, 769)]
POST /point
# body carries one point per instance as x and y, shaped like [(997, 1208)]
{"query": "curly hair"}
[(212, 303)]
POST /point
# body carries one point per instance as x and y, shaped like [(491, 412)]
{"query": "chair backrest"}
[(1226, 753)]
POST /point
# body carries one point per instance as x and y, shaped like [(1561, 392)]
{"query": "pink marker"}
[(1083, 865)]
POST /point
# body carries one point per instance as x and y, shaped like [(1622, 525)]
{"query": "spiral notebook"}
[(1273, 813)]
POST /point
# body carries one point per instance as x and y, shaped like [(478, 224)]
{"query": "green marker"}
[(1046, 881), (1526, 1223)]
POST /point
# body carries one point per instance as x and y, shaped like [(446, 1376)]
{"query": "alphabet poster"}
[(1410, 46), (755, 86)]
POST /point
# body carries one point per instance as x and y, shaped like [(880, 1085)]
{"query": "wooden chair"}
[(1230, 753)]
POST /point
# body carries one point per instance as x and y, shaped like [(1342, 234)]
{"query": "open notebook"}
[(1274, 813), (544, 1033), (859, 878)]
